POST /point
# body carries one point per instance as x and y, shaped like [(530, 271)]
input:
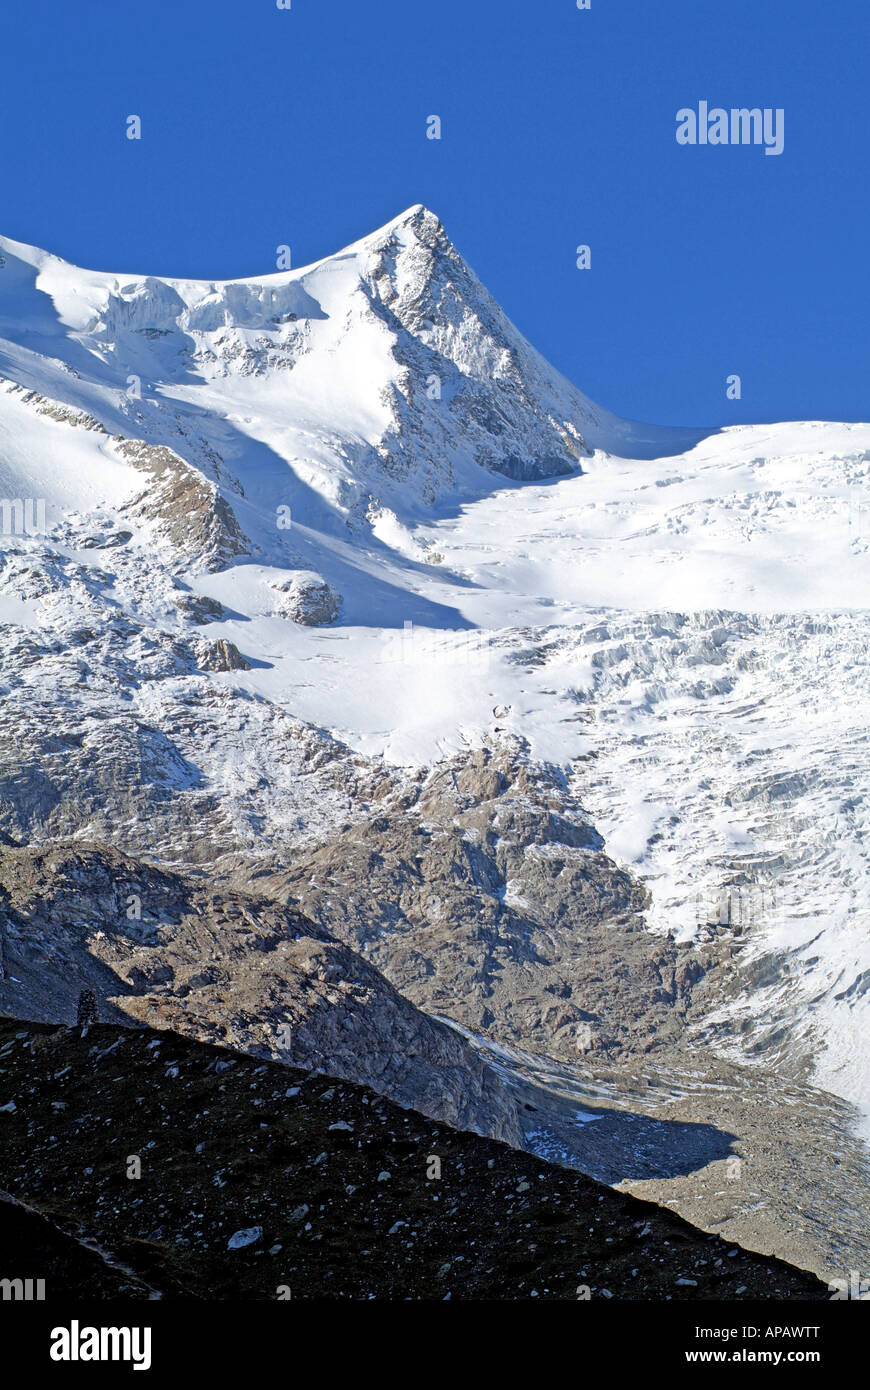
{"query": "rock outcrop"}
[(227, 967), (483, 892), (184, 506), (219, 655), (306, 598)]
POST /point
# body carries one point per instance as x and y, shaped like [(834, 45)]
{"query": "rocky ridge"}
[(226, 967), (260, 1182)]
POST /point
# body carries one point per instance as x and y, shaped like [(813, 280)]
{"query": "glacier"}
[(677, 618)]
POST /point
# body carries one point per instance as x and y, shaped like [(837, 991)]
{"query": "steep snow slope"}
[(679, 619)]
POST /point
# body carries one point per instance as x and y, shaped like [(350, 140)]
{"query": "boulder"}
[(306, 597)]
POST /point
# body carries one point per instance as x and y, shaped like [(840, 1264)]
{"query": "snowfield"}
[(679, 618)]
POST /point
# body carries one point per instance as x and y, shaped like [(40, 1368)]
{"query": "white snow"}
[(685, 625)]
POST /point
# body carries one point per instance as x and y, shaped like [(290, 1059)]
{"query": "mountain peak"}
[(417, 216), (417, 225), (413, 214), (382, 376)]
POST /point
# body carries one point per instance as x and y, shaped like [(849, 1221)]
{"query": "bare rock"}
[(185, 506), (219, 655), (199, 609), (228, 968), (305, 597)]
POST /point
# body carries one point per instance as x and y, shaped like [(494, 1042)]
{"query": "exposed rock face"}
[(186, 508), (306, 598), (466, 372), (483, 893), (104, 541), (199, 609), (54, 410), (231, 968), (479, 890), (220, 655)]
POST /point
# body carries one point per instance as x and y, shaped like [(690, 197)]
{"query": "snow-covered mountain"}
[(385, 375), (309, 534)]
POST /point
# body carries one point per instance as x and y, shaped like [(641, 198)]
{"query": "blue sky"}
[(308, 127)]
